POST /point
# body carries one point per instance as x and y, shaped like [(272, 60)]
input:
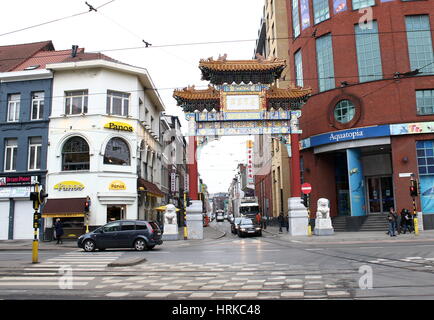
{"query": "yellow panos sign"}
[(119, 126), (117, 185), (69, 186)]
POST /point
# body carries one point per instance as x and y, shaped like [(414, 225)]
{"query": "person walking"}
[(391, 217), (398, 222), (58, 227), (286, 223), (281, 221), (407, 221), (258, 218), (264, 222)]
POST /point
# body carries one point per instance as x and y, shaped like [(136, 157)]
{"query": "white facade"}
[(110, 187)]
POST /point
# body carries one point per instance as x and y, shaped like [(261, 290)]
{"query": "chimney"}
[(74, 51)]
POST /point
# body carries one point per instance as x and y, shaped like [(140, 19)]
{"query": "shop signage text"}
[(18, 181), (117, 185), (119, 126), (69, 186)]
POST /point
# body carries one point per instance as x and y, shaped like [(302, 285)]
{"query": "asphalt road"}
[(227, 268)]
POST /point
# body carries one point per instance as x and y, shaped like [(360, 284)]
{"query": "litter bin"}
[(49, 234)]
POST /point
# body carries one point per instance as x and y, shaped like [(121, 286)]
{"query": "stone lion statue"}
[(170, 214), (323, 209)]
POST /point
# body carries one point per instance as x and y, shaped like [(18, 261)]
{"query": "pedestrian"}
[(407, 221), (281, 221), (392, 217), (258, 218), (398, 222), (58, 227), (264, 222), (286, 223), (403, 221), (410, 221)]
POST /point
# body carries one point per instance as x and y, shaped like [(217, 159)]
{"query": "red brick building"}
[(370, 120)]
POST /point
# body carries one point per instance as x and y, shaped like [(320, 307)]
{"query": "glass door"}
[(380, 194), (387, 196), (374, 195)]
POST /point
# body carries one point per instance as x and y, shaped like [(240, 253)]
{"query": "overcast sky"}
[(124, 23)]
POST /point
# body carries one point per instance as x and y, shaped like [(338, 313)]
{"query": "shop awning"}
[(150, 188), (64, 208)]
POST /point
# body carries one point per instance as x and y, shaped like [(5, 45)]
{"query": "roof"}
[(13, 55), (289, 93), (150, 188), (191, 93), (259, 64), (64, 207), (41, 59)]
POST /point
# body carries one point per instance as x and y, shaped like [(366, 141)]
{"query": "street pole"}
[(415, 220), (185, 215), (35, 244), (309, 227)]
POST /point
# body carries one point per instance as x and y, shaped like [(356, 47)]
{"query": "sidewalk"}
[(351, 237), (209, 234)]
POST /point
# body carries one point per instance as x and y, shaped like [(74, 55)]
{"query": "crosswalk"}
[(72, 269)]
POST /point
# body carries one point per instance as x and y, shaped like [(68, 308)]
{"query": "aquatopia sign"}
[(69, 186), (119, 126)]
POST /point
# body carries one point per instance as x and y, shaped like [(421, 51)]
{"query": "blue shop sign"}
[(346, 135)]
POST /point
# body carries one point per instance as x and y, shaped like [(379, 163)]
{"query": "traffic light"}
[(413, 188), (187, 201), (38, 197), (87, 206)]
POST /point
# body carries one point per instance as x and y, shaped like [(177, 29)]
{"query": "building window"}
[(11, 150), (14, 107), (425, 102), (118, 103), (295, 18), (420, 44), (321, 10), (75, 155), (76, 102), (117, 152), (35, 147), (298, 68), (37, 106), (358, 4), (324, 55), (425, 157), (344, 111), (368, 53)]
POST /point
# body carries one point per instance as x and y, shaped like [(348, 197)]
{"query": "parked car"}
[(235, 224), (137, 234), (248, 227)]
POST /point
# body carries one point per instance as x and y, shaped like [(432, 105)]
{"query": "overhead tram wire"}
[(52, 21), (151, 46)]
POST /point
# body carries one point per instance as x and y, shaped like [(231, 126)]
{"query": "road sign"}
[(306, 188)]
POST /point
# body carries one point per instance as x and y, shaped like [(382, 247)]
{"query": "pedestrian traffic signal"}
[(413, 188)]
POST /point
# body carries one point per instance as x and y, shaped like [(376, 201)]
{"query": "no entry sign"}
[(306, 188)]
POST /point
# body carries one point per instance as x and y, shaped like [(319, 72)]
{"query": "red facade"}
[(391, 100)]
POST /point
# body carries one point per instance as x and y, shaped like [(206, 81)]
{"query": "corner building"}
[(103, 144), (370, 119)]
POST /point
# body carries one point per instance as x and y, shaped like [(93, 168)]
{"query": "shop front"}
[(16, 209), (70, 211)]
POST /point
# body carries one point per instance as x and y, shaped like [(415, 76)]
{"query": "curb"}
[(127, 262), (222, 232)]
